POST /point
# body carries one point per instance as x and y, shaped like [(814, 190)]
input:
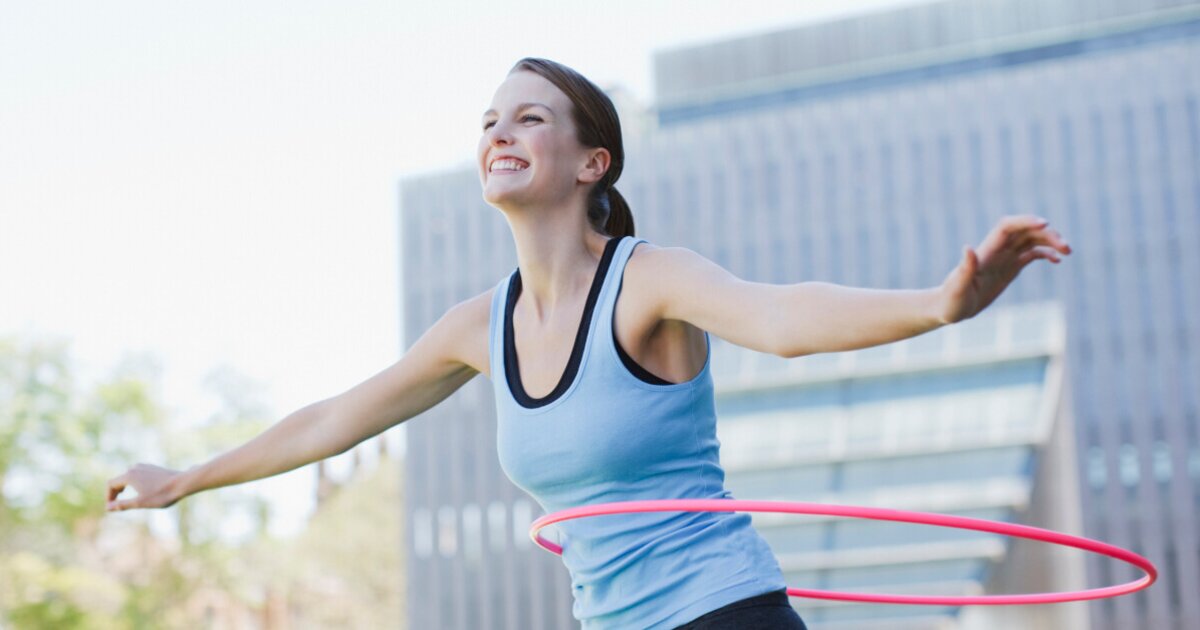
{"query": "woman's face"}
[(530, 120)]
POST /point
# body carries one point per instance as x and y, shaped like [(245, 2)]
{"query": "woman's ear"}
[(596, 165)]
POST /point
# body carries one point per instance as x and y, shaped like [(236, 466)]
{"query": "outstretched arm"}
[(813, 317), (429, 372), (826, 317)]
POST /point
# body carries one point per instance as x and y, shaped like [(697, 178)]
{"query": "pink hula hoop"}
[(921, 518)]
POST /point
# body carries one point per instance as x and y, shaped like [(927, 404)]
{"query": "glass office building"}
[(866, 152)]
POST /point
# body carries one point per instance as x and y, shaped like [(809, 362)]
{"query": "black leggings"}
[(769, 611)]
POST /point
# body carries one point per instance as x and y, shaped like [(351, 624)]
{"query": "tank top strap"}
[(495, 324), (612, 284)]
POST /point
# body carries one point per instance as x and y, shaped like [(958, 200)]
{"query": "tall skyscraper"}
[(866, 152)]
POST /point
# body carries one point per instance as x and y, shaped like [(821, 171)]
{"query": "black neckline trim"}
[(511, 363), (631, 365)]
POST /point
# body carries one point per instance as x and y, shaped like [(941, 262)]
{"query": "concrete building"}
[(968, 420), (866, 152)]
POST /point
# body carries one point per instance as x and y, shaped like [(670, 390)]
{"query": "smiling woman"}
[(597, 429), (598, 348)]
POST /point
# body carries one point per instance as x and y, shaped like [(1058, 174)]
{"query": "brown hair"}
[(597, 125)]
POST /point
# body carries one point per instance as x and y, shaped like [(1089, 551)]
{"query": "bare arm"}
[(427, 374), (826, 317), (813, 317), (285, 446), (786, 320)]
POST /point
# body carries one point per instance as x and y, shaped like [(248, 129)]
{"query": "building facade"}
[(867, 152)]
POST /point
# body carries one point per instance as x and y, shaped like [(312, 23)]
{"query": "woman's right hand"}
[(157, 487)]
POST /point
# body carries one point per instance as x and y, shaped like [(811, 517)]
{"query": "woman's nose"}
[(498, 134)]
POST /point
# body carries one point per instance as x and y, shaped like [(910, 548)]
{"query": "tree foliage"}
[(67, 563)]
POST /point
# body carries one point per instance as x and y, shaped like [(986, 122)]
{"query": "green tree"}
[(58, 446), (64, 561)]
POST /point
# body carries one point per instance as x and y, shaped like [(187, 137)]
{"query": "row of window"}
[(884, 575), (463, 531), (1130, 466), (861, 534), (858, 476), (1000, 415), (687, 77)]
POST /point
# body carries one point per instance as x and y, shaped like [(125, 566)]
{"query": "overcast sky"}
[(215, 183)]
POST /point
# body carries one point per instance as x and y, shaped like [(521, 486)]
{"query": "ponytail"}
[(609, 213), (620, 217)]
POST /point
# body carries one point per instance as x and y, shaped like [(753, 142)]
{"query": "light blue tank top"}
[(611, 431)]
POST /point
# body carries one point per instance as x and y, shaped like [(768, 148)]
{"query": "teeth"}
[(508, 165)]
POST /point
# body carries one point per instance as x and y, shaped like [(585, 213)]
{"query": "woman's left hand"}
[(986, 271)]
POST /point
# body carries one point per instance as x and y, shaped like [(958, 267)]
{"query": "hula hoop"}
[(920, 518)]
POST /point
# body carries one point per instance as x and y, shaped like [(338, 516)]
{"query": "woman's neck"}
[(556, 270)]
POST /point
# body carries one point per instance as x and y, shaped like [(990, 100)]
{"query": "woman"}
[(611, 400)]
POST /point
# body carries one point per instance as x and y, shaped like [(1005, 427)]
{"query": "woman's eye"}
[(523, 118)]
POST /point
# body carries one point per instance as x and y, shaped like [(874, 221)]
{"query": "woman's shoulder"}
[(641, 282), (642, 249), (648, 258), (473, 317)]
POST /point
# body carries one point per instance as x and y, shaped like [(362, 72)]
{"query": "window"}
[(858, 534), (934, 571), (1160, 127), (791, 483), (447, 534), (422, 528), (472, 547), (771, 186), (959, 466), (1097, 473), (1194, 463), (1128, 465), (496, 525), (522, 519), (1162, 462), (795, 539)]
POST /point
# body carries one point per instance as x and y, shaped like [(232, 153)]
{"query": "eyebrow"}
[(520, 106)]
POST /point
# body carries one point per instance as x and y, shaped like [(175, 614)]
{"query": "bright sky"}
[(215, 183)]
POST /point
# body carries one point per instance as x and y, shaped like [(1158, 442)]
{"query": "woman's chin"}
[(500, 194)]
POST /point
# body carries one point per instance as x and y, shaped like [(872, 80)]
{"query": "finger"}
[(1039, 251), (116, 505), (1050, 238), (1033, 238), (115, 486), (1027, 221), (1054, 240), (966, 269), (1007, 231), (1013, 228)]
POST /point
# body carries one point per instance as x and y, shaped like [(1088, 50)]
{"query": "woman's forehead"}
[(524, 87)]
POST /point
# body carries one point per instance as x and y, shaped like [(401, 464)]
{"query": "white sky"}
[(216, 182)]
